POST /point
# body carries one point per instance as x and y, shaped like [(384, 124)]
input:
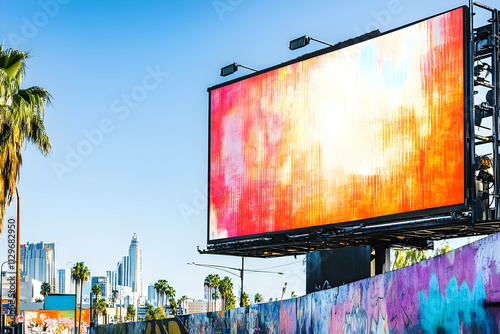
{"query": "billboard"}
[(371, 132)]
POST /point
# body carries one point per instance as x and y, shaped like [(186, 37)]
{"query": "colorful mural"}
[(165, 326), (54, 322), (353, 134), (457, 292)]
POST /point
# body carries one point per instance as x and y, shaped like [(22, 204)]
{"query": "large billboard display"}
[(370, 132)]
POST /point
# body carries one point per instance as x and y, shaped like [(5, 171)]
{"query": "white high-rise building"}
[(135, 258)]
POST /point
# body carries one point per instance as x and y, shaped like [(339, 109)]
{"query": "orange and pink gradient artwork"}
[(371, 130)]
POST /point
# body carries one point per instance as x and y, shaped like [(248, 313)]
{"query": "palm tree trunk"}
[(76, 295), (81, 301)]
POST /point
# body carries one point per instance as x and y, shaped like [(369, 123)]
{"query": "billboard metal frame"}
[(416, 228)]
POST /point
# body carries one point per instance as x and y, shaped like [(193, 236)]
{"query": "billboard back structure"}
[(372, 132)]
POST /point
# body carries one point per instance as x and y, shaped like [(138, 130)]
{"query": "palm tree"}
[(162, 287), (215, 296), (207, 283), (283, 290), (169, 292), (113, 297), (101, 306), (154, 313), (96, 290), (21, 120), (157, 288), (225, 288), (212, 281), (173, 305), (130, 312), (181, 302), (80, 274), (245, 299), (75, 276), (45, 289), (258, 298), (84, 277)]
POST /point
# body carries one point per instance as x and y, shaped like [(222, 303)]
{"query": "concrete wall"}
[(458, 292)]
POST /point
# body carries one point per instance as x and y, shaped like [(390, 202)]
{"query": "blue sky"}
[(129, 118)]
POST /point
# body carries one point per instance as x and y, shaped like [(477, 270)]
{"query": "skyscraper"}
[(135, 258), (64, 280), (40, 262), (102, 281)]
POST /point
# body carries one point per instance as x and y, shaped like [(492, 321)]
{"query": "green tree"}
[(21, 121), (405, 258), (101, 308), (283, 290), (168, 292), (155, 313), (215, 297), (230, 301), (181, 302), (80, 274), (45, 289), (212, 281), (173, 305), (113, 297), (130, 312), (293, 295), (158, 288), (245, 299), (96, 290), (225, 288), (258, 298)]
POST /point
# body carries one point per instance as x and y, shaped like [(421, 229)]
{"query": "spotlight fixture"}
[(230, 69), (484, 39), (303, 41)]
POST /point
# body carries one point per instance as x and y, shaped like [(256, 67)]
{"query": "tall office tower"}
[(40, 262), (152, 294), (111, 275), (126, 271), (103, 283), (135, 257), (64, 280)]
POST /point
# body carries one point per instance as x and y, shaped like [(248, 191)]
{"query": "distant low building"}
[(30, 289), (196, 306)]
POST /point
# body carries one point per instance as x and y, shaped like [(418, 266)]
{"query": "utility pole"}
[(240, 272)]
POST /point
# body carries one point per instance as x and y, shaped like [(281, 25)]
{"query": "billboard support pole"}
[(496, 93), (470, 100), (241, 275)]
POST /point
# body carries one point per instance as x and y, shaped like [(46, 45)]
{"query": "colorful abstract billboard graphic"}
[(369, 132)]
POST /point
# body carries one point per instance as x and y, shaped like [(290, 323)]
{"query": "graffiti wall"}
[(457, 292), (54, 322), (165, 326)]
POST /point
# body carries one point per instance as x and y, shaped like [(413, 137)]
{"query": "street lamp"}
[(303, 41), (230, 69), (240, 271)]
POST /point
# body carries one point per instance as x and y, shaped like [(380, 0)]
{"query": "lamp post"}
[(239, 270), (1, 296)]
